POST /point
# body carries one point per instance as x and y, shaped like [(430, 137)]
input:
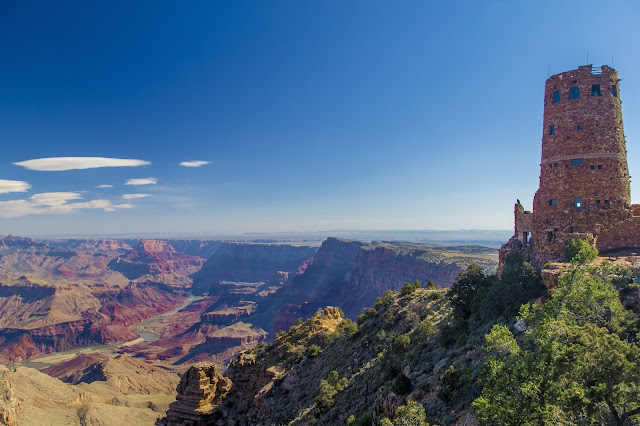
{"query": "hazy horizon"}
[(488, 236)]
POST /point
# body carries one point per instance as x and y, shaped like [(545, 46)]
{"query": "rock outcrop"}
[(229, 315), (630, 298), (10, 407), (199, 394), (551, 275)]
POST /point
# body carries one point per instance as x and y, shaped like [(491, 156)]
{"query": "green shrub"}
[(366, 313), (580, 251), (435, 296), (324, 400), (519, 283), (407, 288), (579, 362), (364, 420), (287, 346), (453, 385), (313, 351), (447, 336), (400, 343), (412, 414), (401, 385), (384, 301), (328, 389), (349, 327), (425, 330), (465, 289), (431, 285)]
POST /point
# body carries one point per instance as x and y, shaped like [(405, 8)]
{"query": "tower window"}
[(574, 92), (592, 167), (552, 130), (606, 201), (555, 164), (595, 90), (597, 201), (578, 202), (614, 91), (580, 127), (550, 165), (599, 166), (556, 96), (576, 162), (553, 202)]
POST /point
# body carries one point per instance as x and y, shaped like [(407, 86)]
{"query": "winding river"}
[(60, 357)]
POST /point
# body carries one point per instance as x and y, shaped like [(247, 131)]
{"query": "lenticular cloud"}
[(58, 164), (7, 186), (197, 163), (143, 181), (134, 196)]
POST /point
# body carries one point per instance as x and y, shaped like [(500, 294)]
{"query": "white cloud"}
[(57, 164), (134, 196), (53, 198), (104, 186), (196, 163), (118, 206), (143, 181), (53, 202), (7, 186)]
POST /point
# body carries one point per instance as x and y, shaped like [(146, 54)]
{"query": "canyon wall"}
[(381, 267), (237, 262), (351, 275)]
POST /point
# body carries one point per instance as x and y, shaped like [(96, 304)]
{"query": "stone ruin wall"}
[(523, 224)]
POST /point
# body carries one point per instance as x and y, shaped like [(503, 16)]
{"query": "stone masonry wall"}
[(584, 179), (585, 157)]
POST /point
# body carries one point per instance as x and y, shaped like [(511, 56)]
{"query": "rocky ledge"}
[(199, 393)]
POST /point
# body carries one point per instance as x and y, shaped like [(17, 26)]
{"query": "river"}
[(59, 357)]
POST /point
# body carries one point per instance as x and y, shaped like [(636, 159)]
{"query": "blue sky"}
[(313, 115)]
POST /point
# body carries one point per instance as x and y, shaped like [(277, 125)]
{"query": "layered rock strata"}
[(199, 394)]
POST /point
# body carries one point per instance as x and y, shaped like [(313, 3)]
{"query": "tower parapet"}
[(584, 187)]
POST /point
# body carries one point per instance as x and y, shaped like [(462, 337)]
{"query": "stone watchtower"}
[(584, 179)]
